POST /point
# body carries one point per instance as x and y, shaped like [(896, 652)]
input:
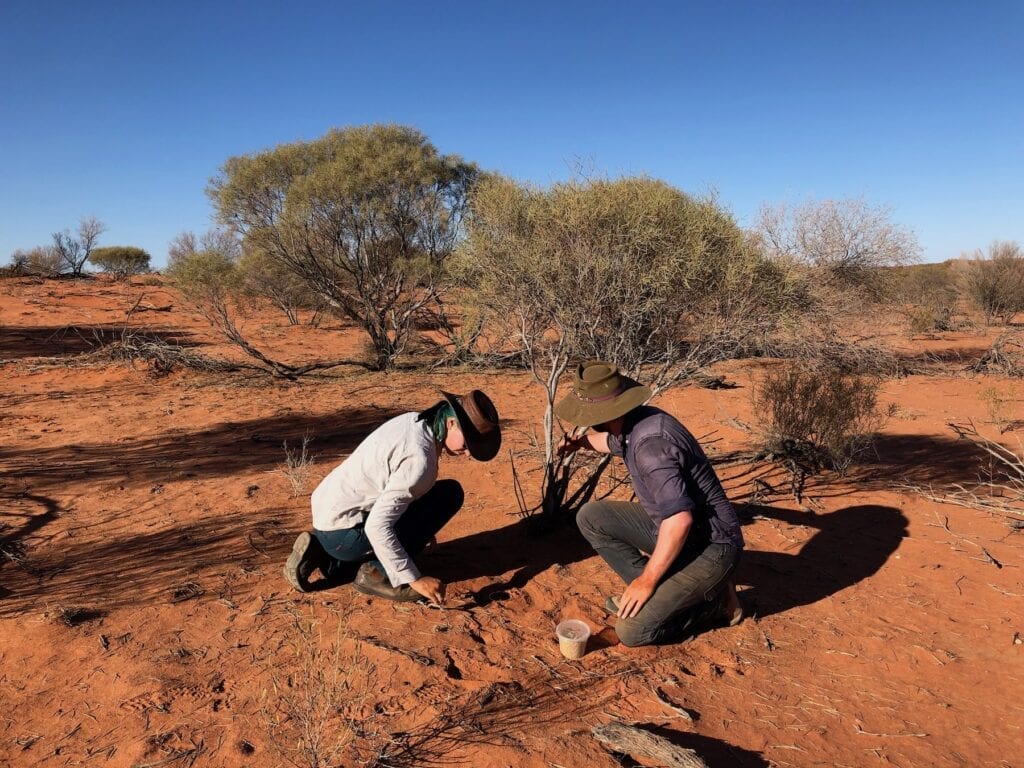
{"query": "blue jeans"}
[(624, 535), (420, 522)]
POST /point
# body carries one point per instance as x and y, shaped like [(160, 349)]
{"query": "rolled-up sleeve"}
[(410, 479), (661, 467)]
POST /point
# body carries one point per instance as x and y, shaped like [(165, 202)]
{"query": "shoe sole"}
[(291, 566)]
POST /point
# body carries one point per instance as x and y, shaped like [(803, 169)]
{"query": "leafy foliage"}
[(364, 215), (628, 270), (121, 260)]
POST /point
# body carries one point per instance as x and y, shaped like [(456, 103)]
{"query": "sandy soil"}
[(144, 620)]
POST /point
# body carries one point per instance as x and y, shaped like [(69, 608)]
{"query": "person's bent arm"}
[(593, 441), (671, 538), (381, 523)]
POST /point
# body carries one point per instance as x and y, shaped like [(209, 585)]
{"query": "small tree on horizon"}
[(122, 261), (75, 251)]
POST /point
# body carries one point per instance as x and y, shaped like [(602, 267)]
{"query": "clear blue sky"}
[(124, 110)]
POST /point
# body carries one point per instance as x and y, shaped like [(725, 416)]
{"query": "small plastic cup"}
[(572, 638)]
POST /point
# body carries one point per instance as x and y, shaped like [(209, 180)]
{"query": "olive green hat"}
[(600, 393)]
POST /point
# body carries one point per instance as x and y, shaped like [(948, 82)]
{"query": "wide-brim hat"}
[(478, 420), (600, 393)]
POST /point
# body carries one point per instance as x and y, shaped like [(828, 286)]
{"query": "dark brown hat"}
[(600, 393), (478, 420)]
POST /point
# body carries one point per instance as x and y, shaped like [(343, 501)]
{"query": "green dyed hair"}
[(437, 419)]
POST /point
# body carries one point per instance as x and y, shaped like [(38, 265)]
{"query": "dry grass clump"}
[(315, 695), (298, 463)]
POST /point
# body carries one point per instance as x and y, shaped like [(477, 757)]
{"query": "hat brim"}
[(482, 447), (583, 414)]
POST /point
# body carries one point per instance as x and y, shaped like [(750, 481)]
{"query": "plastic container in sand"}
[(572, 638)]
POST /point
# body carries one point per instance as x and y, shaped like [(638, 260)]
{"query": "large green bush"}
[(364, 215), (630, 270)]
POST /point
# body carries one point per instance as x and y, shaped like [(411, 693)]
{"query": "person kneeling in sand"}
[(383, 504), (677, 549)]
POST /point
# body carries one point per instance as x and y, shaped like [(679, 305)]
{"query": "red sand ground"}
[(153, 513)]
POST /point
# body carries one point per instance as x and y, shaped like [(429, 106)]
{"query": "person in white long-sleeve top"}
[(384, 504)]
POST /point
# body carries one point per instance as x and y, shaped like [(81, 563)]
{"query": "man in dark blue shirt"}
[(677, 548)]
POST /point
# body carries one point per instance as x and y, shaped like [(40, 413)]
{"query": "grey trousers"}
[(688, 597)]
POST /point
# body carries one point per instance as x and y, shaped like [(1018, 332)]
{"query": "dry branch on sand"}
[(1005, 357), (1002, 493), (637, 742), (160, 355)]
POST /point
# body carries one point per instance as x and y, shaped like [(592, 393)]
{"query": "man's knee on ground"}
[(588, 516), (632, 633)]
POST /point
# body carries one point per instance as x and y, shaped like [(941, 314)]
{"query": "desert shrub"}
[(207, 272), (996, 284), (120, 260), (820, 416), (365, 215), (43, 260), (629, 270), (204, 276), (843, 250), (928, 296)]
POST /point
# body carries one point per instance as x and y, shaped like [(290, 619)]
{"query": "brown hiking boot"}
[(307, 555), (370, 581), (730, 608)]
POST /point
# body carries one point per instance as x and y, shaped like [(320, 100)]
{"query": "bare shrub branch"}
[(1001, 493), (996, 284)]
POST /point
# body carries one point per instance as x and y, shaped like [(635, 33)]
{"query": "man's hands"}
[(637, 593), (570, 445), (671, 536), (590, 441), (430, 588)]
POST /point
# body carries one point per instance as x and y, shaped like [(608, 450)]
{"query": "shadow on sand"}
[(851, 544), (19, 342), (218, 451)]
